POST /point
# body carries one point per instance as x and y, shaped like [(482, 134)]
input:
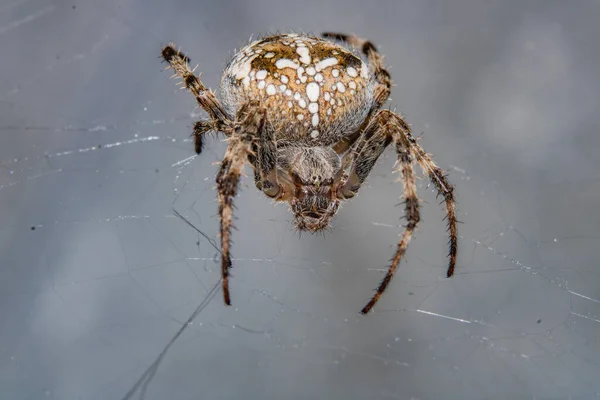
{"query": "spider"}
[(305, 113)]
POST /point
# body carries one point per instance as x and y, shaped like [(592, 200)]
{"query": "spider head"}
[(311, 173), (313, 208)]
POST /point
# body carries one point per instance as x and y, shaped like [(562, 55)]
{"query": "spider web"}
[(109, 277)]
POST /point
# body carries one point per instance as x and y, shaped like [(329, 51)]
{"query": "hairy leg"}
[(411, 209), (264, 160), (376, 137), (444, 189), (200, 128), (206, 99), (365, 152), (247, 130), (384, 128)]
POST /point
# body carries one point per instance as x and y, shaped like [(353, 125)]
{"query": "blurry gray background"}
[(97, 274)]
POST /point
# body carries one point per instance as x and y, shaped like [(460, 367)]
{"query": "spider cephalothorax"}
[(306, 178), (305, 113)]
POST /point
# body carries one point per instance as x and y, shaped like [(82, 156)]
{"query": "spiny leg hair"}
[(247, 129), (383, 77)]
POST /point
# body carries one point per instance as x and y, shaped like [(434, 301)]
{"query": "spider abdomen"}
[(314, 91)]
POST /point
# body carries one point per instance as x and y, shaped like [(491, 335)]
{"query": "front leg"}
[(380, 132), (384, 128), (264, 160), (243, 138)]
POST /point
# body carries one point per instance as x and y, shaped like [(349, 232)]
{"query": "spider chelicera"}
[(305, 113)]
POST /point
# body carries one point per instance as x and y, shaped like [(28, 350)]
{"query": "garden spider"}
[(305, 113)]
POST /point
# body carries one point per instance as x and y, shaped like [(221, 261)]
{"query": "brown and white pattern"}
[(305, 113), (313, 89)]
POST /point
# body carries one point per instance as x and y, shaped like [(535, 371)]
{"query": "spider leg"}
[(249, 124), (384, 128), (264, 160), (443, 186), (411, 206), (383, 77), (205, 97), (362, 157), (378, 135), (200, 128)]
